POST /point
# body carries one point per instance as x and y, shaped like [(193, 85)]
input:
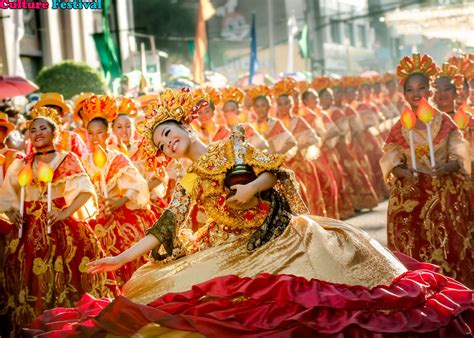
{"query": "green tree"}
[(70, 78)]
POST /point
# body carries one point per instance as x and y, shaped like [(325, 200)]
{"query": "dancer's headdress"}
[(416, 64), (465, 65), (47, 113), (127, 106), (260, 90), (79, 103), (451, 72), (215, 96), (103, 106), (232, 93), (322, 82), (287, 86), (181, 106)]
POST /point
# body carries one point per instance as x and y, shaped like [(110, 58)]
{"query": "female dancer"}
[(45, 260), (124, 196), (261, 266), (428, 208)]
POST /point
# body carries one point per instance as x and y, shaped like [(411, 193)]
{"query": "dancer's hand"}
[(445, 168), (57, 215), (105, 264), (14, 216), (243, 193), (113, 204)]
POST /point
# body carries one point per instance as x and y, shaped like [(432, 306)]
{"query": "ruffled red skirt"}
[(420, 303)]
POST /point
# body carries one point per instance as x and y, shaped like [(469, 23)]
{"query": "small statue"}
[(241, 173)]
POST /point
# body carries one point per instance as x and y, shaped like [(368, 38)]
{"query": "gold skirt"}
[(310, 247)]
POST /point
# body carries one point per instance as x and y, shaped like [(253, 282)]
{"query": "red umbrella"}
[(14, 86)]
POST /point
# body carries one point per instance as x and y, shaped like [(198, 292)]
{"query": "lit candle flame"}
[(100, 157), (467, 108), (461, 118), (425, 112), (123, 148), (2, 159), (408, 118), (45, 172), (25, 176)]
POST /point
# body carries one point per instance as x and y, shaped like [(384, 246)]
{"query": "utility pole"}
[(316, 34), (271, 42)]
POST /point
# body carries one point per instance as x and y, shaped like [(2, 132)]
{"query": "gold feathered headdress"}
[(287, 86), (232, 93), (451, 72), (182, 106), (260, 90), (215, 96), (416, 64), (103, 106), (321, 82), (128, 107), (465, 65), (49, 114)]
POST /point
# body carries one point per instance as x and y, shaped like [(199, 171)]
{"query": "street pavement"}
[(374, 222)]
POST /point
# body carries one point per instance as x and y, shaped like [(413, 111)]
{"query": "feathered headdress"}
[(49, 114), (215, 96), (287, 86), (128, 107), (181, 106), (451, 72), (349, 82), (464, 64), (321, 82), (260, 90), (416, 64), (103, 106), (232, 93)]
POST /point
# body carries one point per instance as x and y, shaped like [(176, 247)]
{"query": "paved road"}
[(374, 222)]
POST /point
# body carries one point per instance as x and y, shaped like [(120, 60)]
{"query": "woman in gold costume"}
[(261, 266)]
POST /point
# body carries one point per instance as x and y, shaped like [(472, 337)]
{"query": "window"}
[(361, 31), (349, 33), (335, 31)]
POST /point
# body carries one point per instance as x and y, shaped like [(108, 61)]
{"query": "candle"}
[(24, 178), (408, 120), (2, 161), (426, 113), (104, 184), (45, 175), (100, 159)]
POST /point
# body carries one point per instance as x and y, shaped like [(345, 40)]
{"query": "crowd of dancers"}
[(76, 186)]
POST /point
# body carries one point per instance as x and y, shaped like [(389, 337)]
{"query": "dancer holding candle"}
[(124, 196), (46, 270), (427, 213), (261, 267)]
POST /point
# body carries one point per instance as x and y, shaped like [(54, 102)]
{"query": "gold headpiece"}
[(416, 64), (103, 106), (49, 114), (181, 106), (215, 96), (321, 82), (79, 104), (465, 65), (260, 90), (128, 107), (349, 82), (302, 86), (232, 93), (287, 86), (451, 72)]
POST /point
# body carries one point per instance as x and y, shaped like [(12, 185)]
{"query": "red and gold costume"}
[(427, 220), (48, 270), (308, 143), (267, 271), (120, 229)]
